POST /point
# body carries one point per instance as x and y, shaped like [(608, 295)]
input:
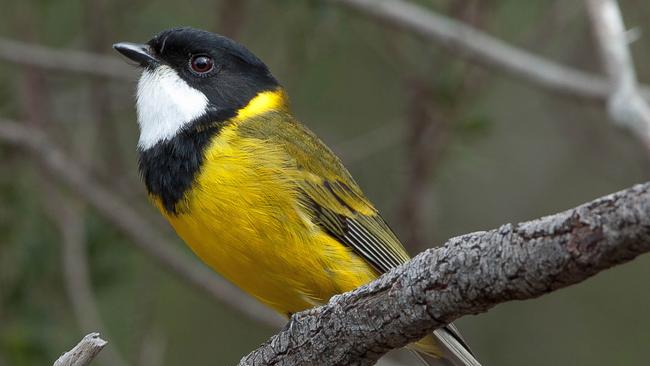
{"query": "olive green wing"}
[(335, 202), (327, 191), (341, 210)]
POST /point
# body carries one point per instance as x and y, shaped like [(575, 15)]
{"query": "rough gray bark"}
[(468, 275)]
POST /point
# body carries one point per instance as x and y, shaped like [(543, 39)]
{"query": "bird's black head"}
[(192, 75), (224, 70)]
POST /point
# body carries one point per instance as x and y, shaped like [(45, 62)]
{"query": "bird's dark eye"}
[(201, 64)]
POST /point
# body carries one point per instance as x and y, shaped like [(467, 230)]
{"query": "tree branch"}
[(65, 60), (481, 48), (83, 353), (468, 275), (130, 223), (625, 103)]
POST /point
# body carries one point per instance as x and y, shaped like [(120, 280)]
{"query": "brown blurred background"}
[(442, 146)]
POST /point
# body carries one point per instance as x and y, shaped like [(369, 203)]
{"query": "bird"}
[(253, 192)]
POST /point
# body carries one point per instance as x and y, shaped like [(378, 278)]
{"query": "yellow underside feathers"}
[(243, 219)]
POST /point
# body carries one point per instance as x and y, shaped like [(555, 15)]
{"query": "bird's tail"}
[(445, 347)]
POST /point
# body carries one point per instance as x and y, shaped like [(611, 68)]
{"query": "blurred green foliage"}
[(514, 153)]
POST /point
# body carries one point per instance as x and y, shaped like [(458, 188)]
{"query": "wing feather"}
[(350, 219)]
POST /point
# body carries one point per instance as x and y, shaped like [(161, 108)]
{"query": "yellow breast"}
[(243, 218)]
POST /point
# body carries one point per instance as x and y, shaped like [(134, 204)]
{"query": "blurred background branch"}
[(479, 47), (625, 104), (71, 61), (465, 41), (70, 219)]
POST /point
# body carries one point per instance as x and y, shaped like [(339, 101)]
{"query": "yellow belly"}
[(243, 219)]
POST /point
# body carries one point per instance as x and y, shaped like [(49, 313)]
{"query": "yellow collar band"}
[(263, 102)]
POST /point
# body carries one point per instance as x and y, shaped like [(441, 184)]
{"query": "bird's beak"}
[(138, 52)]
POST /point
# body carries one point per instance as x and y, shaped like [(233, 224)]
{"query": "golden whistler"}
[(255, 194)]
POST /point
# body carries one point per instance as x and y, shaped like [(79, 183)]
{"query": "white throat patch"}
[(166, 103)]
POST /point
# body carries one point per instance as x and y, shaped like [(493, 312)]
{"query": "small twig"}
[(625, 104), (83, 353)]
